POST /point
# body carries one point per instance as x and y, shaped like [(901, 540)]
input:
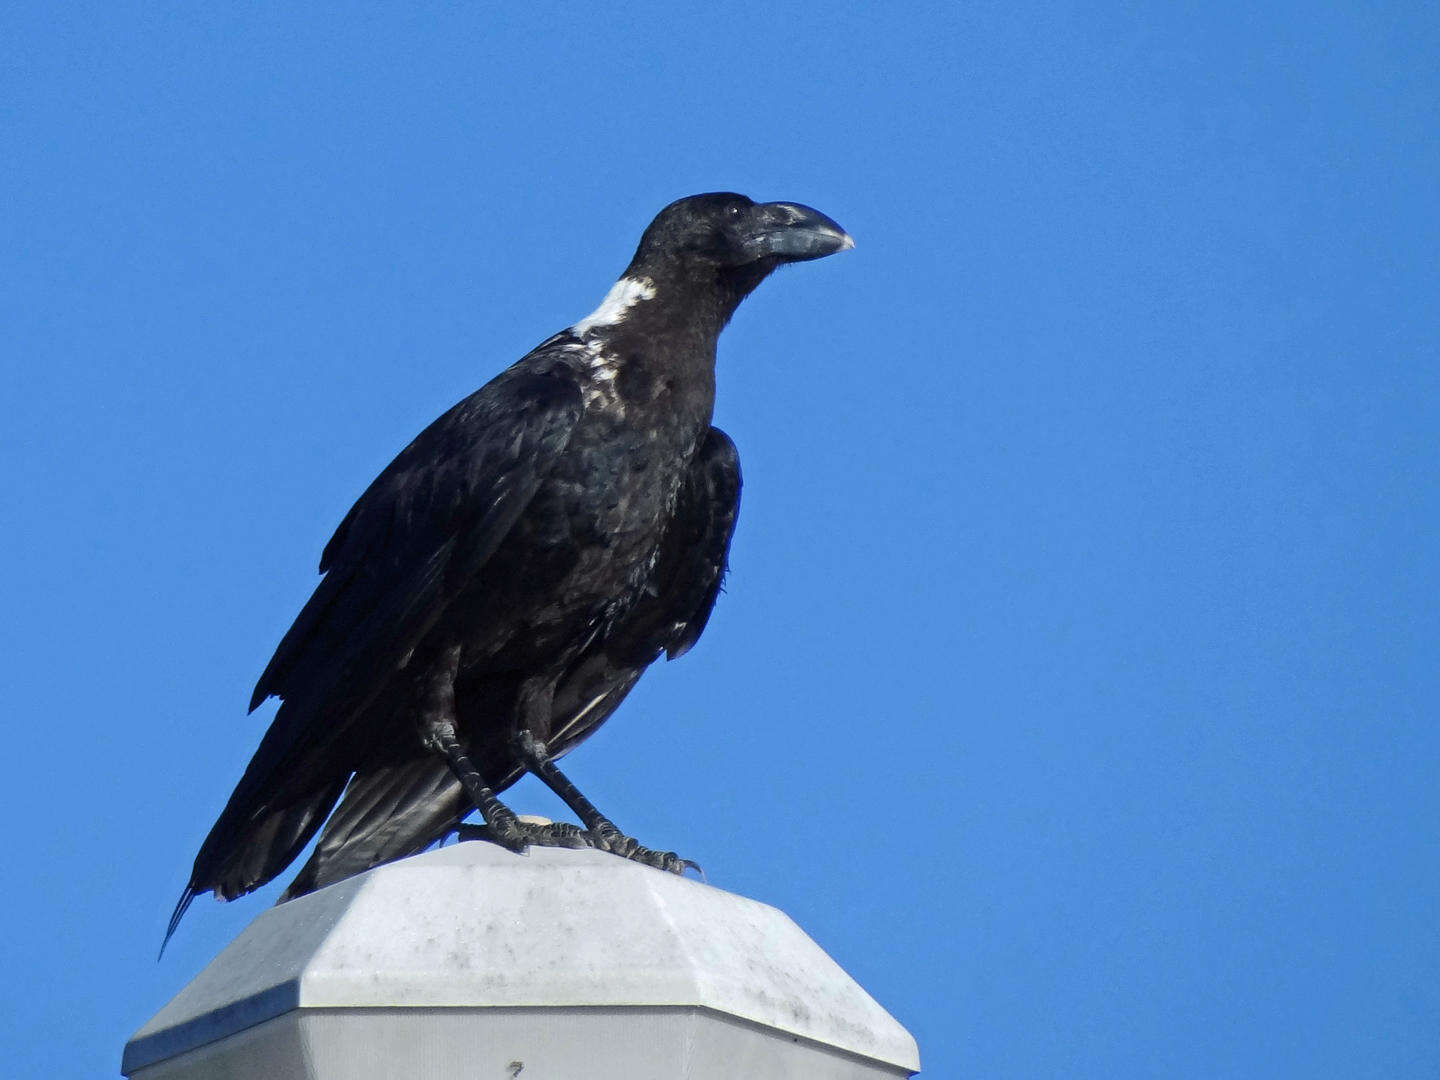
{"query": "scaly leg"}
[(437, 728), (601, 832)]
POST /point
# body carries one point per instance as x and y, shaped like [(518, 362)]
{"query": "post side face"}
[(440, 1044)]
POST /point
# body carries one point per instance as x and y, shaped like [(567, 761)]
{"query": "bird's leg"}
[(501, 825), (601, 832), (437, 727), (437, 732)]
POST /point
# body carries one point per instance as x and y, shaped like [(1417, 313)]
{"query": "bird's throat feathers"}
[(618, 302), (684, 305)]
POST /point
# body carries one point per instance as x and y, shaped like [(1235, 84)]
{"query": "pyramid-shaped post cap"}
[(473, 961)]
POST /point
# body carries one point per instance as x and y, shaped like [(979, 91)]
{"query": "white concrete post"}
[(473, 962)]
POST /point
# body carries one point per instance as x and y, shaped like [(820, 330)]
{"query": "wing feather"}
[(428, 522)]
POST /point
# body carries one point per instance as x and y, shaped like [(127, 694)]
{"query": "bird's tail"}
[(388, 812), (247, 847)]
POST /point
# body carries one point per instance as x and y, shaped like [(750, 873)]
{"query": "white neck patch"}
[(623, 295)]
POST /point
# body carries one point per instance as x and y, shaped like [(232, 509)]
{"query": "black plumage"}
[(501, 586)]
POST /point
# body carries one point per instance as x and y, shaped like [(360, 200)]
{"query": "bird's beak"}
[(793, 233)]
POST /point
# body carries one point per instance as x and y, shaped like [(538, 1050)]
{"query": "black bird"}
[(501, 586)]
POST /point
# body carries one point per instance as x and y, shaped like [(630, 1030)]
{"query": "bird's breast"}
[(589, 539)]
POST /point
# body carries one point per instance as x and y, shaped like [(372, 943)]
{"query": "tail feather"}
[(240, 856), (186, 899), (387, 813)]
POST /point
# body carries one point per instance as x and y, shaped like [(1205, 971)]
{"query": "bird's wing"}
[(682, 591), (421, 530), (692, 565), (397, 808)]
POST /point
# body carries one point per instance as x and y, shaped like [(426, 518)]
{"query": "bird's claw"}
[(608, 838)]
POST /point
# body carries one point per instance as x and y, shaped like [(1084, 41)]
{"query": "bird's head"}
[(702, 255), (726, 231)]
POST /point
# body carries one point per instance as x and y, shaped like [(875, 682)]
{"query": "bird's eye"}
[(733, 210)]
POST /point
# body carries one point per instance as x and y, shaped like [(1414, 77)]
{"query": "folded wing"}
[(424, 528), (396, 808)]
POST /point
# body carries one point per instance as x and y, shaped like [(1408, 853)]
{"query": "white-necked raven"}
[(501, 586)]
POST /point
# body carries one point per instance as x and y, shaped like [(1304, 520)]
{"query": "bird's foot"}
[(607, 837), (516, 835)]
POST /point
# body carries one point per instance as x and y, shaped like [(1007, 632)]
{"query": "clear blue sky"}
[(1076, 682)]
